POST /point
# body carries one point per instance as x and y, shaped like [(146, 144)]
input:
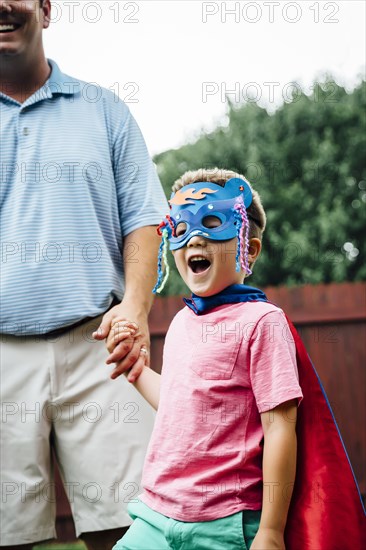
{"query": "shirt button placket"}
[(28, 169), (23, 129)]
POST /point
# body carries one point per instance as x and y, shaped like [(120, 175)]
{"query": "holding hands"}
[(127, 341)]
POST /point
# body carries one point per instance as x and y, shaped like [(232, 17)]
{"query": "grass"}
[(60, 546)]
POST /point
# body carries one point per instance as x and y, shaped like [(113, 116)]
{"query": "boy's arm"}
[(279, 469), (148, 384)]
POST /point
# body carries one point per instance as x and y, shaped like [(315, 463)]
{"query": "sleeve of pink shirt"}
[(273, 369)]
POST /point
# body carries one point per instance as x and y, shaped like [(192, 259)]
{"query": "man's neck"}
[(20, 79)]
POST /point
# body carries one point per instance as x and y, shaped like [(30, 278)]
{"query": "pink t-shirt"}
[(220, 371)]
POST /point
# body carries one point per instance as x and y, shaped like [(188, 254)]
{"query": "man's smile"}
[(6, 27)]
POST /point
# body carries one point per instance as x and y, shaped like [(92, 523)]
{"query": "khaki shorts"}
[(57, 392)]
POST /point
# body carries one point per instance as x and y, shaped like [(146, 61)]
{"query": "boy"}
[(220, 468), (229, 379)]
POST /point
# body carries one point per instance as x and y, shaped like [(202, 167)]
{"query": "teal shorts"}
[(153, 531)]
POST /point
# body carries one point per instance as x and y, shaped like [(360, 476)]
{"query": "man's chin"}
[(8, 49)]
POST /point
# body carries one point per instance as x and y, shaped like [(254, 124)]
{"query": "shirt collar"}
[(231, 295), (60, 83), (57, 83)]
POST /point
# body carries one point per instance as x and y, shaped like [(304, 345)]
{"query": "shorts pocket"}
[(240, 530), (250, 526)]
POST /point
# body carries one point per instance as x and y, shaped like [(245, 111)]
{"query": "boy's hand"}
[(128, 342), (268, 539), (125, 338)]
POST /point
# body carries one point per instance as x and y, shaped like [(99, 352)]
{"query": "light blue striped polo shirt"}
[(76, 177)]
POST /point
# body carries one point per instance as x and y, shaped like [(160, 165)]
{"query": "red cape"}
[(326, 510)]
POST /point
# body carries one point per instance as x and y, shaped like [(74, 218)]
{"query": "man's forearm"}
[(140, 260), (140, 254)]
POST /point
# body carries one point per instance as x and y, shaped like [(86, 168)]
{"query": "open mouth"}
[(198, 264), (9, 27)]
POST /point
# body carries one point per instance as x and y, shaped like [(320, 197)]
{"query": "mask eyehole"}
[(211, 222), (180, 229)]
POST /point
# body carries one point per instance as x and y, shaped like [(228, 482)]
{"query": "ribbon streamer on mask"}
[(162, 257), (242, 250)]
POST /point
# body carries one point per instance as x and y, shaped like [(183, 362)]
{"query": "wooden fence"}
[(332, 322)]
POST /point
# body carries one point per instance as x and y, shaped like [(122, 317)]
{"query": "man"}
[(80, 200)]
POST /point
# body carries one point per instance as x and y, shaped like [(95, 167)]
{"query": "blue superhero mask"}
[(192, 208), (193, 204)]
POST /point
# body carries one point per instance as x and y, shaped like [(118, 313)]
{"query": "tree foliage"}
[(307, 162)]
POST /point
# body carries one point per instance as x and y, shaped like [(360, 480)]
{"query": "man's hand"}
[(127, 340), (268, 539)]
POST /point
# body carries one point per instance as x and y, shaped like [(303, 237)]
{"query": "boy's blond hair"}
[(255, 212)]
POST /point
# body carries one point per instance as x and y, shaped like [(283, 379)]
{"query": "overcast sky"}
[(174, 61)]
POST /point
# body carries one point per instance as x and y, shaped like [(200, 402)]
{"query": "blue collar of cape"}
[(231, 295)]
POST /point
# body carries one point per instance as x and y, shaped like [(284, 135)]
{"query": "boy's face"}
[(207, 267)]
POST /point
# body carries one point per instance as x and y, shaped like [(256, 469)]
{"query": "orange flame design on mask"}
[(189, 196)]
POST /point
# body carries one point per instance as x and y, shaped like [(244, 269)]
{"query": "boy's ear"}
[(255, 247)]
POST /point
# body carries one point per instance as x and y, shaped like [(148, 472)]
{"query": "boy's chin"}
[(206, 293), (203, 294)]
